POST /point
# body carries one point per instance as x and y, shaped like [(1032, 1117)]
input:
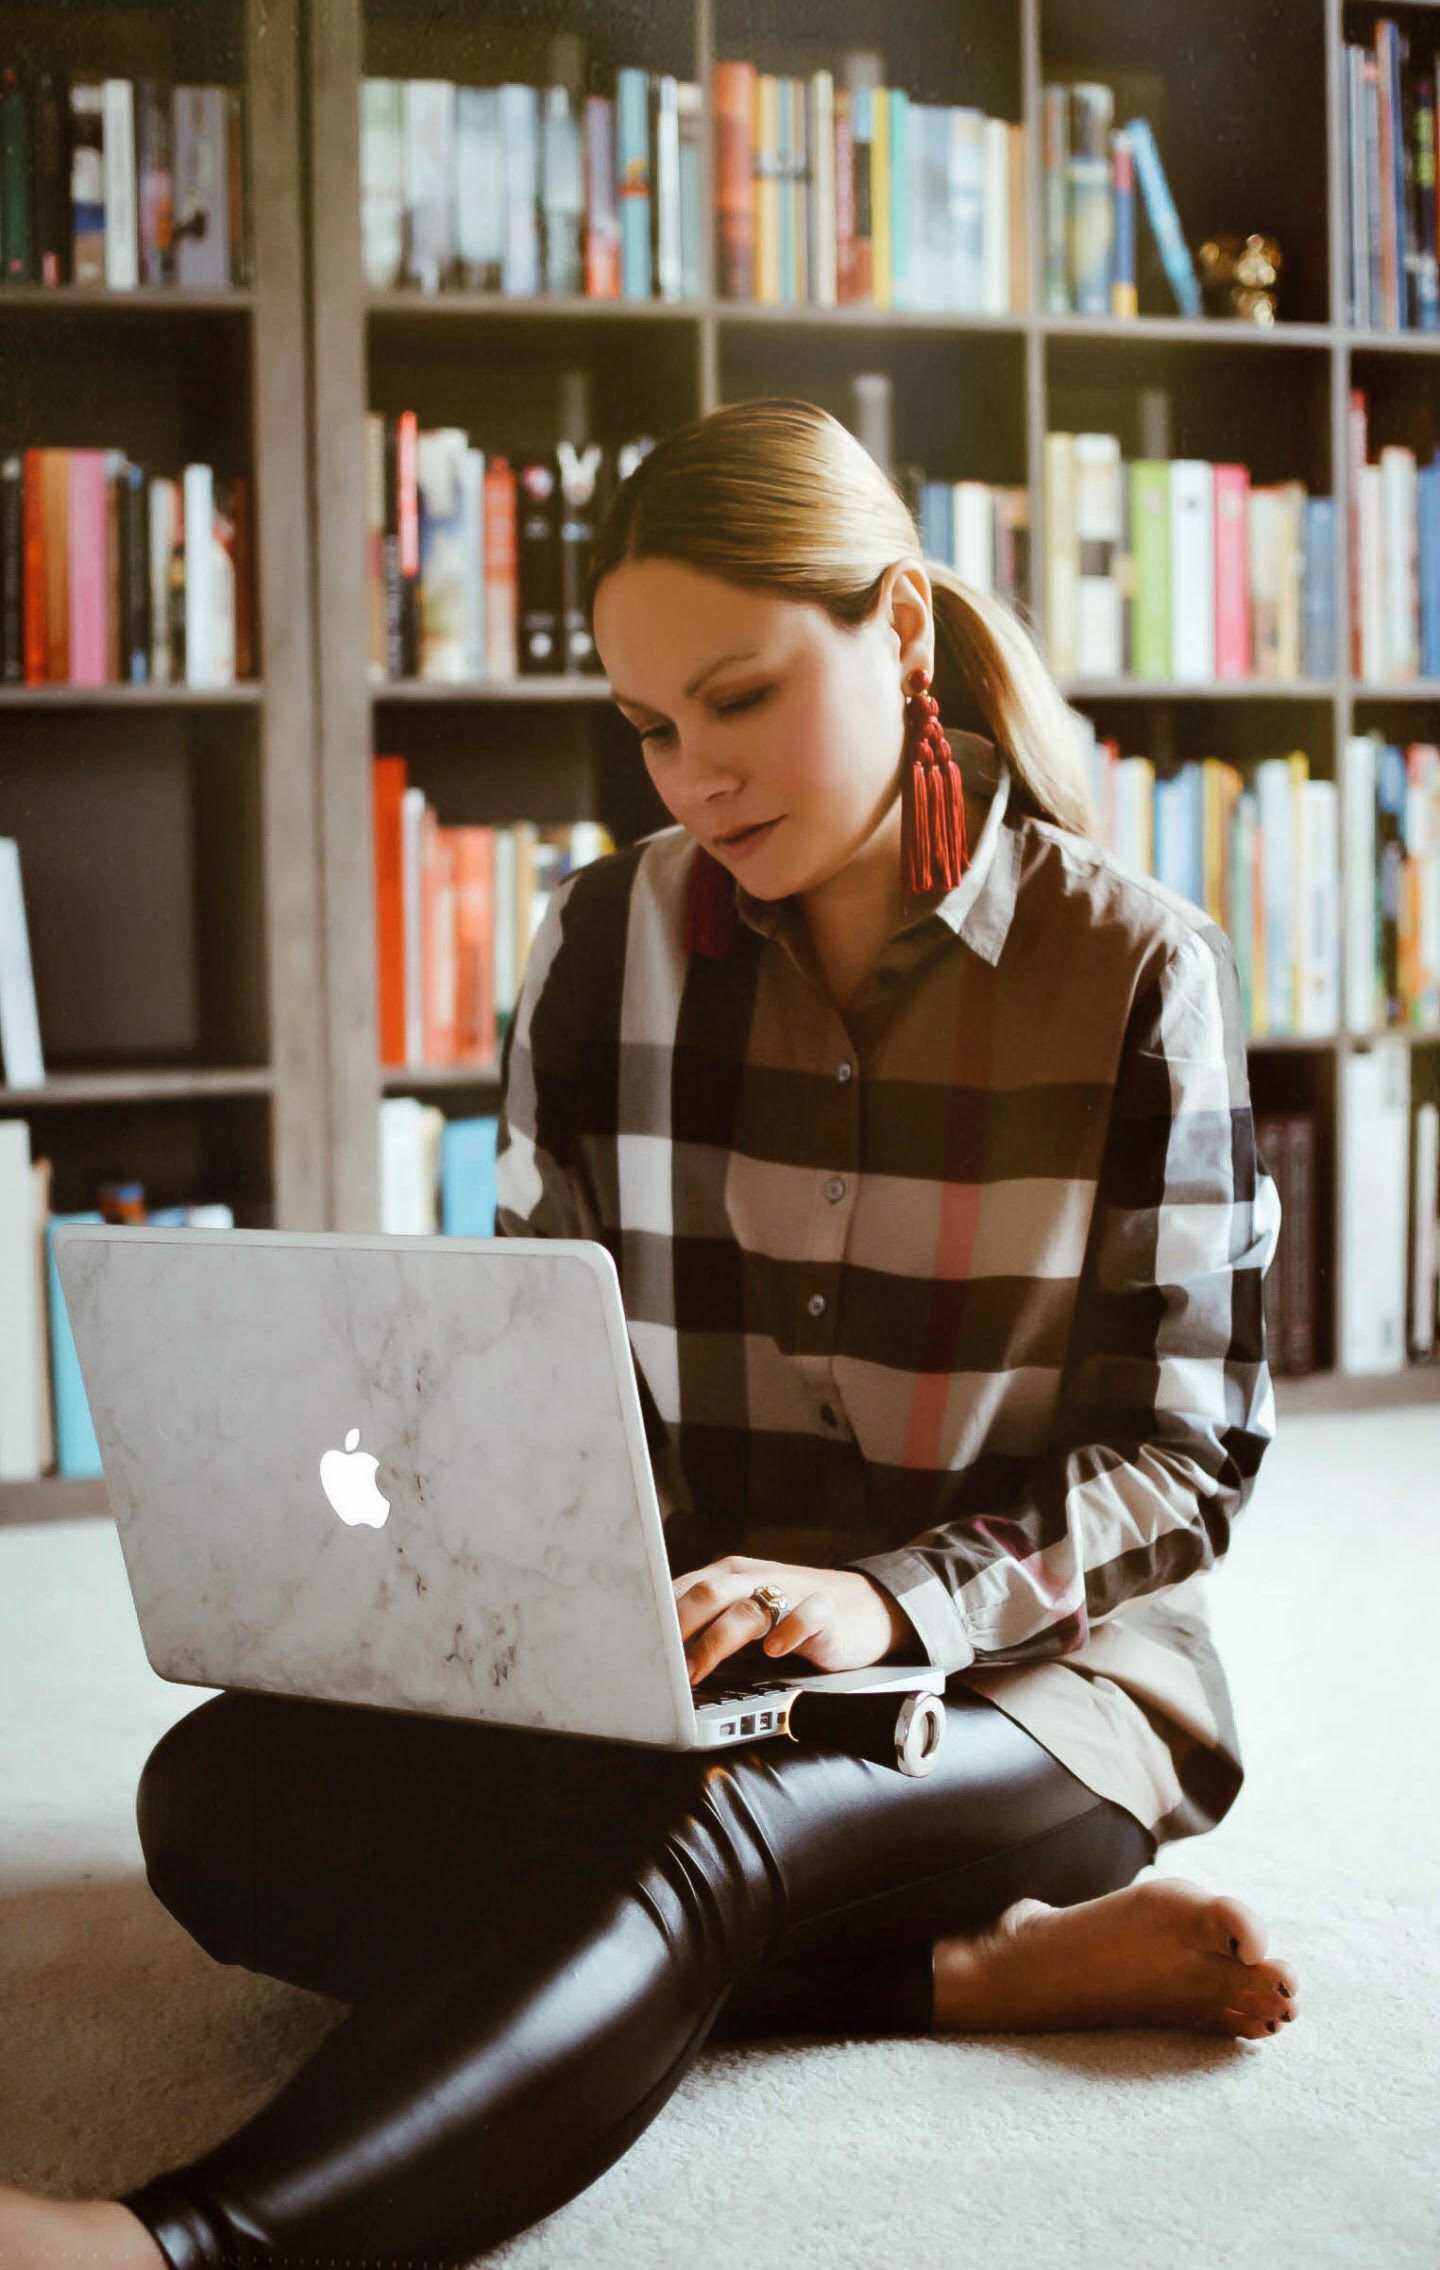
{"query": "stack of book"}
[(1394, 557), (1389, 89), (120, 182), (1092, 169), (981, 530), (1392, 884), (477, 561), (113, 575), (528, 190), (1286, 1143), (1182, 569), (437, 1175), (859, 194), (1258, 852), (1389, 1195), (456, 909), (45, 1424)]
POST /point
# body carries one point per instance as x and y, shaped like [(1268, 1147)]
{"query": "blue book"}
[(467, 1177), (1428, 481), (77, 1453), (1318, 629), (1164, 220), (632, 174), (1179, 833), (900, 161), (937, 520)]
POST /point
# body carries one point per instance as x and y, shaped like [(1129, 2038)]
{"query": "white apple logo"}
[(348, 1479)]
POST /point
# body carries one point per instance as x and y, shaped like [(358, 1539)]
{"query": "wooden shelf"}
[(141, 1086), (247, 693), (146, 299), (398, 1082)]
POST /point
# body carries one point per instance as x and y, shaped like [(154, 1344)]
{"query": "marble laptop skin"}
[(402, 1472)]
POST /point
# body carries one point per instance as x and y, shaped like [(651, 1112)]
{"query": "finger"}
[(705, 1593), (809, 1619), (735, 1627)]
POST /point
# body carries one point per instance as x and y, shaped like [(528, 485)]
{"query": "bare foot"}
[(1155, 1954), (72, 2234)]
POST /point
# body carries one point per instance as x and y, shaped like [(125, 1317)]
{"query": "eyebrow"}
[(742, 654)]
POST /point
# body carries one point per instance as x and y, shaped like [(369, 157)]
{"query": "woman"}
[(919, 1133)]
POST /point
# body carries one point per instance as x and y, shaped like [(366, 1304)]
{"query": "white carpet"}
[(126, 2049)]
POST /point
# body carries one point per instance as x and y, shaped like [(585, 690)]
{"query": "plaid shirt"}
[(961, 1288)]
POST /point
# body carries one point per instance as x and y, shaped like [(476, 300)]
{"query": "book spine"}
[(1163, 218), (87, 180), (1192, 570), (1055, 126), (1092, 212), (602, 233), (632, 153), (538, 564), (1299, 1131), (1232, 579), (520, 139), (122, 249)]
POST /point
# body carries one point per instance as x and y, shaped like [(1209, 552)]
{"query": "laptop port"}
[(747, 1725), (764, 1720), (728, 1727)]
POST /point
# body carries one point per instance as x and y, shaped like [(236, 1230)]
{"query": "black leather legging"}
[(540, 1932)]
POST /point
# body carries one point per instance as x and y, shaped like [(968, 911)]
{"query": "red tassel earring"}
[(711, 923), (932, 799)]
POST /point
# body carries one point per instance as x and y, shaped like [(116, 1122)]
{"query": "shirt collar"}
[(980, 908)]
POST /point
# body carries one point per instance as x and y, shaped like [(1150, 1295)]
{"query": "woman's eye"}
[(723, 709)]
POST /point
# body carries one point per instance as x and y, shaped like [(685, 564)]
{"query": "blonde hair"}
[(777, 496)]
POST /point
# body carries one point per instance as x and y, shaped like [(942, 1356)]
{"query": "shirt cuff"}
[(913, 1584)]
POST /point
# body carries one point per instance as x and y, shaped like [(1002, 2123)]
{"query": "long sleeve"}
[(540, 1187), (1166, 1404)]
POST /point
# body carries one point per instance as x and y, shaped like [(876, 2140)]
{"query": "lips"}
[(742, 836)]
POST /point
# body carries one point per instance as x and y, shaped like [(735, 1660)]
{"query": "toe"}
[(1238, 1930)]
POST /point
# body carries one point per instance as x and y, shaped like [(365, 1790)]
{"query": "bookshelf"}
[(1248, 103), (168, 833)]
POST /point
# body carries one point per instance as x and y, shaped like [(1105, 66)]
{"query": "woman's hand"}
[(840, 1621)]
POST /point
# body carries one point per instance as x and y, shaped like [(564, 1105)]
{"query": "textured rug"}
[(125, 2049)]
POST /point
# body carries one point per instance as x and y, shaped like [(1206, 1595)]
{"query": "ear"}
[(911, 616)]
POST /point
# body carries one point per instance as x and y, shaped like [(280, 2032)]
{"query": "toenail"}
[(1234, 1946), (1271, 2024), (1286, 1992)]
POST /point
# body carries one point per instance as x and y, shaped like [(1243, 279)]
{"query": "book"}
[(1163, 219), (1425, 1230), (21, 1058), (20, 1353), (1373, 1205), (468, 1177)]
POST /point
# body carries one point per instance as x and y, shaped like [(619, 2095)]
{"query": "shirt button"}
[(835, 1189), (816, 1304), (843, 1072)]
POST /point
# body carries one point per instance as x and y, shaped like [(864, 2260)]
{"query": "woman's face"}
[(765, 712)]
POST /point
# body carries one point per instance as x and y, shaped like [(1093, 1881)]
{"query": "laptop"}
[(408, 1473)]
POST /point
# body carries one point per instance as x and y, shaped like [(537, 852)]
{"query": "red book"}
[(502, 578), (732, 106), (847, 282), (1232, 571), (388, 783), (475, 944), (87, 567), (36, 636)]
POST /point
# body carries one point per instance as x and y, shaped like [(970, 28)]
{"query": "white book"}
[(975, 533), (199, 501), (505, 882), (22, 1064), (472, 521), (41, 1176), (666, 186), (409, 1166), (1061, 553), (1192, 570), (820, 133), (1362, 1001), (995, 254), (19, 1335), (1374, 1192), (1400, 530), (1098, 478), (430, 181), (122, 244), (1425, 1230), (1318, 906), (1263, 545), (1372, 575), (965, 287), (412, 829), (439, 458), (479, 188), (382, 182), (1275, 804), (520, 132), (1134, 790), (164, 504)]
